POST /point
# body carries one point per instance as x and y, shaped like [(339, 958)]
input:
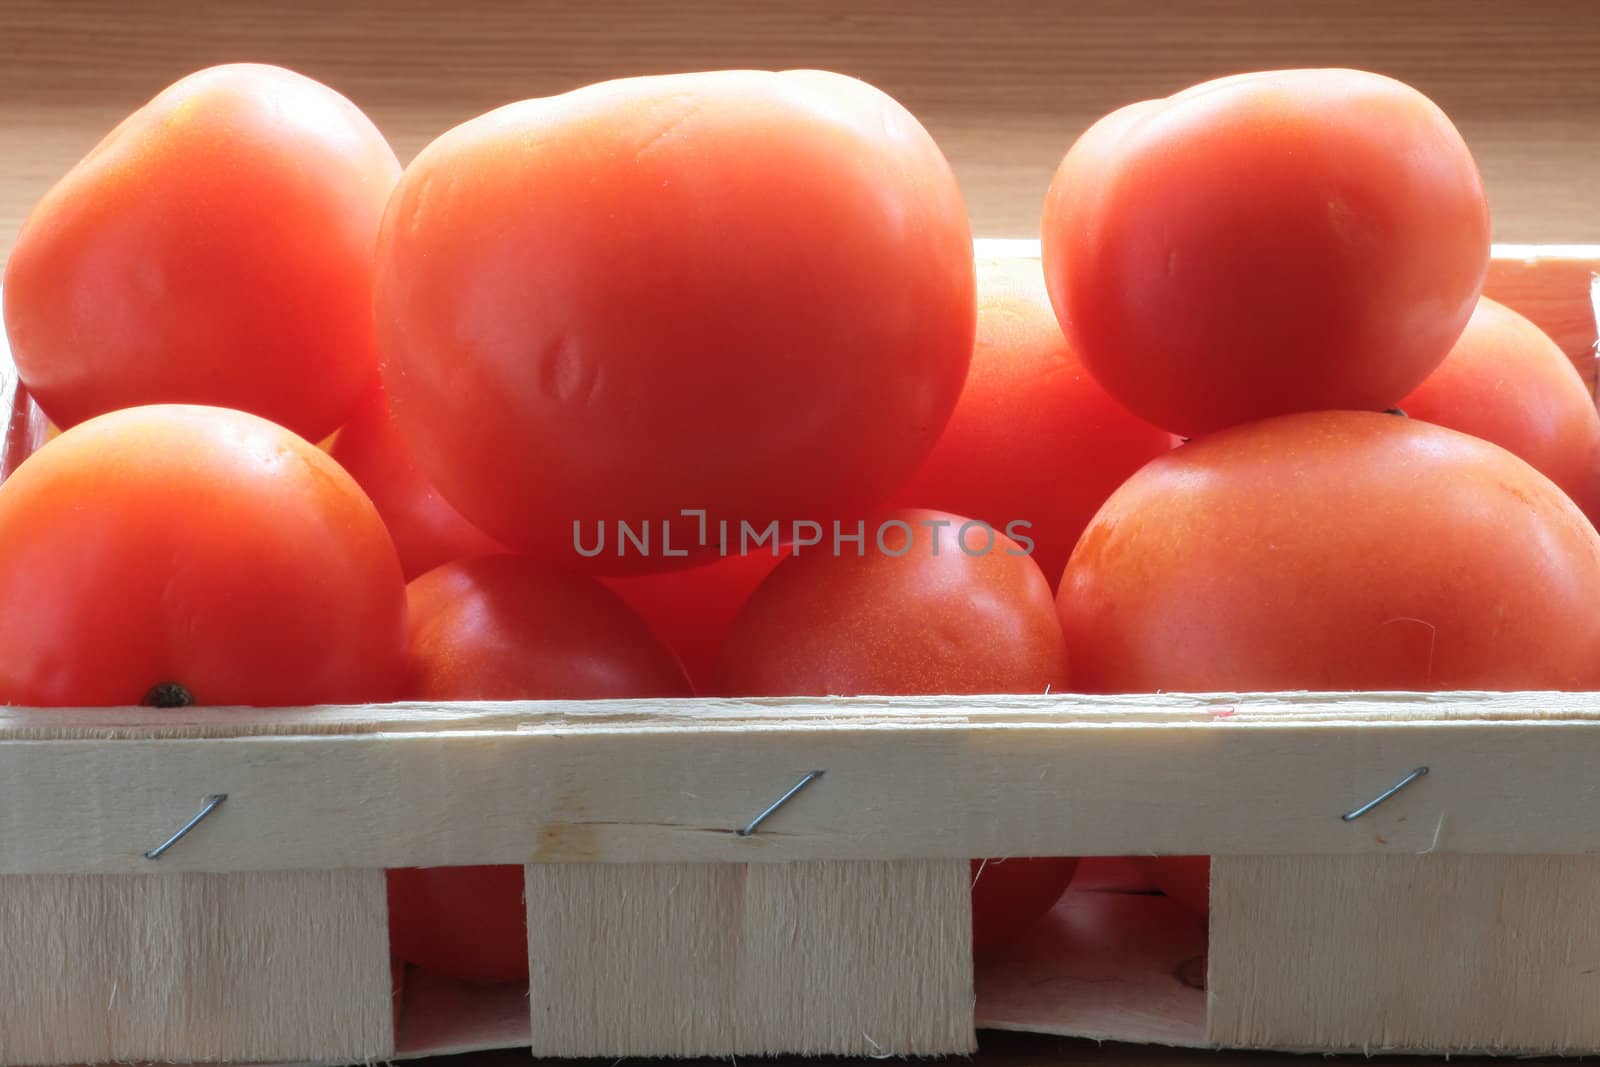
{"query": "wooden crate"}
[(1460, 915)]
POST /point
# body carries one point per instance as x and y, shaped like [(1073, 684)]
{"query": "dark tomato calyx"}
[(1396, 411), (168, 695)]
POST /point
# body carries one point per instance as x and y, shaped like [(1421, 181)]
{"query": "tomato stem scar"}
[(168, 695)]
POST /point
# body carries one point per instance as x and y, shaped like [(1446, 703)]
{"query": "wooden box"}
[(1461, 914)]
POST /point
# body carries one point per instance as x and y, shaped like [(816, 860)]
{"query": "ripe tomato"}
[(1266, 243), (468, 923), (1065, 443), (176, 554), (1335, 550), (1186, 879), (508, 628), (934, 618), (918, 613), (1506, 381), (503, 628), (427, 531), (1010, 895), (214, 248), (691, 610), (744, 292)]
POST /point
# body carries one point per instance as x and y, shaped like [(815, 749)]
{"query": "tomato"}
[(504, 628), (1033, 437), (914, 613), (467, 923), (933, 603), (1186, 879), (427, 531), (691, 610), (508, 628), (177, 554), (1266, 243), (744, 293), (1506, 381), (1010, 895), (214, 248), (1331, 551)]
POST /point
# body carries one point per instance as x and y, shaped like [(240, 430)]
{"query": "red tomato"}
[(177, 554), (1335, 550), (1186, 879), (1506, 381), (214, 248), (691, 610), (427, 531), (1010, 895), (1033, 437), (917, 614), (744, 292), (468, 923), (507, 628), (1266, 243), (935, 618), (503, 628)]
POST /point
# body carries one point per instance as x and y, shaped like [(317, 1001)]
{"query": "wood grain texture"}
[(1423, 953), (864, 958), (1005, 86), (907, 778), (195, 967)]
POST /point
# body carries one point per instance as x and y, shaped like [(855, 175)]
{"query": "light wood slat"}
[(856, 958), (923, 789), (1422, 953), (195, 967)]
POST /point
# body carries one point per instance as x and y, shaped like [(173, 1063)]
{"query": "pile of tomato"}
[(691, 385)]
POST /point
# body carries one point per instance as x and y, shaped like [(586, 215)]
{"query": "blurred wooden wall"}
[(1005, 85)]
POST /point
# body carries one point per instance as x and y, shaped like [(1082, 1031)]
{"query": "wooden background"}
[(1005, 85)]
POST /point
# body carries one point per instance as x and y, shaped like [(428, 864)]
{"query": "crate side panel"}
[(276, 966), (1422, 953), (858, 958)]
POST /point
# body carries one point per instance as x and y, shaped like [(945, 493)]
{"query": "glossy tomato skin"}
[(467, 923), (1266, 243), (1506, 381), (932, 619), (1186, 879), (214, 248), (197, 546), (427, 531), (918, 622), (508, 628), (505, 628), (1033, 437), (1010, 895), (1334, 551), (744, 292), (691, 609)]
